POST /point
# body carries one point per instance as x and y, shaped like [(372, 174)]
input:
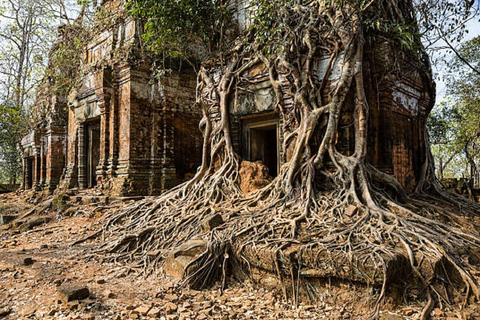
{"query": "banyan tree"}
[(332, 96)]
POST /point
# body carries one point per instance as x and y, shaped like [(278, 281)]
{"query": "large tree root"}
[(326, 214), (376, 244)]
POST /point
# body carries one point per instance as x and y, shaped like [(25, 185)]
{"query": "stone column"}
[(113, 132), (37, 169), (24, 172), (28, 173), (82, 172), (55, 159), (43, 163), (104, 106)]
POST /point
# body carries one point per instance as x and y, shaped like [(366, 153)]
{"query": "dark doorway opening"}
[(44, 169), (92, 152), (261, 137), (29, 173)]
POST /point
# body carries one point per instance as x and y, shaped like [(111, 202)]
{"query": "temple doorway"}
[(93, 151), (261, 139)]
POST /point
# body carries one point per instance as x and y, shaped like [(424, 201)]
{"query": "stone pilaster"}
[(37, 170)]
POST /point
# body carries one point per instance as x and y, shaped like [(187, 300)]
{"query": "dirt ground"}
[(37, 261)]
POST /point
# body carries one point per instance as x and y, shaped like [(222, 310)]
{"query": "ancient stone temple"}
[(122, 130), (44, 147), (125, 131), (44, 152)]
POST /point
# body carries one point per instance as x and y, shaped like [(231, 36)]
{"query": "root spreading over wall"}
[(328, 213)]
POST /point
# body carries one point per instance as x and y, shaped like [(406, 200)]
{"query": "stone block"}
[(181, 256), (69, 293)]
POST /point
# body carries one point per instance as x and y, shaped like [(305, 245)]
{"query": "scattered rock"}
[(28, 261), (154, 312), (202, 316), (143, 310), (73, 305), (170, 297), (170, 307), (27, 310), (68, 293), (351, 210), (100, 281)]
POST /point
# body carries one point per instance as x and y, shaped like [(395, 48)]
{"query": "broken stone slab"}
[(351, 210), (67, 293), (32, 223), (211, 223), (181, 256), (170, 307), (143, 310), (170, 297), (154, 312)]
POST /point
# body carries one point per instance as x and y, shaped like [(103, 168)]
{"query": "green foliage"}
[(405, 35), (455, 125), (269, 24), (64, 59), (11, 128), (179, 28)]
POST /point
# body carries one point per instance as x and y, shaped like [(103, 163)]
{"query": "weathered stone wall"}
[(118, 128), (44, 149), (144, 124)]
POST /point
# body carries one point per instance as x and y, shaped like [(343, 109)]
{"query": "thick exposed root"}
[(361, 244), (326, 214)]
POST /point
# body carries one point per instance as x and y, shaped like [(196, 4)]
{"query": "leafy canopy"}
[(177, 28), (455, 125)]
